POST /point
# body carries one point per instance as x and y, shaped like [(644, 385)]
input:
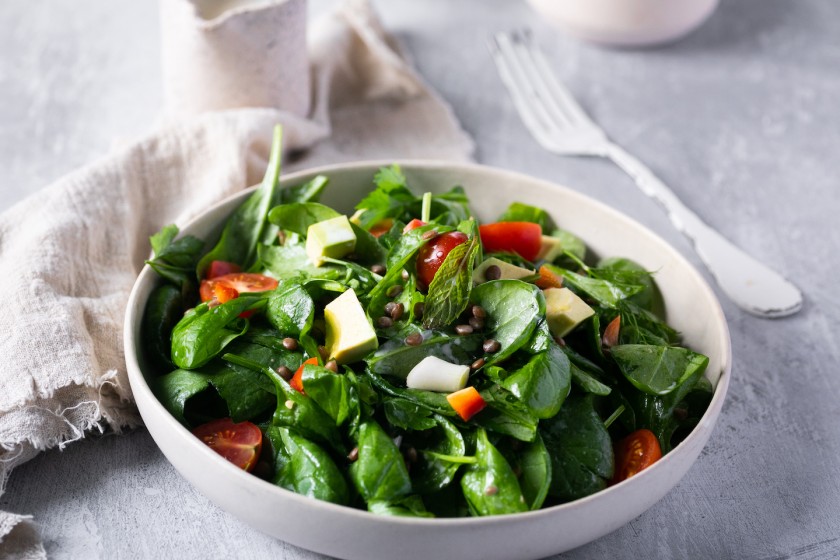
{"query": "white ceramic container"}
[(349, 533), (626, 22)]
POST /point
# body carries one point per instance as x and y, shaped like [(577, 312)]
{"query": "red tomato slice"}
[(221, 268), (241, 282), (522, 238), (238, 443), (634, 453), (432, 254), (297, 379)]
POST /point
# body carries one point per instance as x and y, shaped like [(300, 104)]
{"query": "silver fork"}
[(561, 126)]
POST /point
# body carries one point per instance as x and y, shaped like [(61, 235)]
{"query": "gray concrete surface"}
[(741, 119)]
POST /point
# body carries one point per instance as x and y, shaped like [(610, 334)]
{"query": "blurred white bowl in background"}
[(626, 22)]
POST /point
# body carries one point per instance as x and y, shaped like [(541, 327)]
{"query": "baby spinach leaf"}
[(505, 414), (307, 192), (532, 463), (163, 311), (295, 410), (368, 250), (298, 216), (649, 298), (204, 332), (542, 339), (431, 473), (656, 412), (543, 383), (409, 297), (588, 382), (513, 310), (302, 413), (571, 243), (333, 392), (176, 387), (243, 231), (518, 212), (489, 485), (181, 253), (606, 292), (580, 448), (291, 260), (407, 415), (243, 390), (305, 468), (256, 345), (175, 260), (435, 402), (410, 506), (657, 370), (379, 473), (245, 393), (396, 358), (449, 292), (290, 309)]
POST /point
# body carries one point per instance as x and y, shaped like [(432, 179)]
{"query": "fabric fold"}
[(69, 255)]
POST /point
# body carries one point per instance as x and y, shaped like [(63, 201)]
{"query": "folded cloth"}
[(69, 254)]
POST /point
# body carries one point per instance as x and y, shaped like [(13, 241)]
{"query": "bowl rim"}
[(707, 421)]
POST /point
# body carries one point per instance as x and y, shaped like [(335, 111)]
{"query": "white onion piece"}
[(434, 374)]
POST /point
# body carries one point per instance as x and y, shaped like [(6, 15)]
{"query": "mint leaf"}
[(449, 292)]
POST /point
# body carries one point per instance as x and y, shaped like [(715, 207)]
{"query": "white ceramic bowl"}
[(349, 533), (626, 22)]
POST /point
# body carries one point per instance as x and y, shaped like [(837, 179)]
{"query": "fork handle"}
[(751, 285)]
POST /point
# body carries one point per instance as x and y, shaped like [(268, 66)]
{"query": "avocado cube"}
[(550, 248), (564, 310), (333, 238), (350, 336), (507, 271)]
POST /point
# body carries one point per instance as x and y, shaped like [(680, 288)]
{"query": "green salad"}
[(409, 360)]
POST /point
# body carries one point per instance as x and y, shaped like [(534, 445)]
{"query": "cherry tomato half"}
[(382, 227), (523, 238), (221, 268), (634, 453), (238, 443), (413, 224), (240, 281), (433, 253)]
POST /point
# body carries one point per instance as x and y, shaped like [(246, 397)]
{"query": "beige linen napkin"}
[(69, 255)]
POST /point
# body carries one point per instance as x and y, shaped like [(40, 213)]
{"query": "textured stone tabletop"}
[(741, 119)]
